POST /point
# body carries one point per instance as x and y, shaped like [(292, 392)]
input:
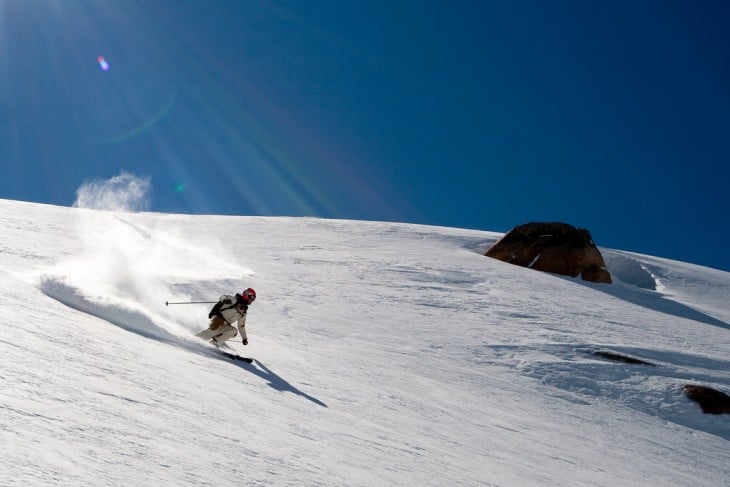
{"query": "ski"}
[(219, 348), (235, 356)]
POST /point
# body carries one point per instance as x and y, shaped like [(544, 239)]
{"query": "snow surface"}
[(386, 354)]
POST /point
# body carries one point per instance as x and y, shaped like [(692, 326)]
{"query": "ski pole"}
[(167, 303)]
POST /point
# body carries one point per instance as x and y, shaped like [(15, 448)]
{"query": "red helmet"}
[(249, 295)]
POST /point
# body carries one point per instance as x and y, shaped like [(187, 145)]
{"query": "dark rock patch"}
[(711, 401), (617, 357)]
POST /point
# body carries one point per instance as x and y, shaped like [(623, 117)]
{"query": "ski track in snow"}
[(386, 354)]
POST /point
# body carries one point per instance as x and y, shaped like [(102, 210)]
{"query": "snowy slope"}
[(386, 354)]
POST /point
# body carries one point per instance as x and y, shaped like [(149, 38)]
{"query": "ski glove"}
[(245, 341)]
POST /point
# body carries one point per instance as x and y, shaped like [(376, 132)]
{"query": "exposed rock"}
[(710, 400), (558, 248), (617, 357)]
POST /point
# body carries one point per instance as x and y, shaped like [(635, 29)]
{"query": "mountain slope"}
[(386, 354)]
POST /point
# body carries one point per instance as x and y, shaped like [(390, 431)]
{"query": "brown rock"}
[(710, 400), (617, 357), (558, 248)]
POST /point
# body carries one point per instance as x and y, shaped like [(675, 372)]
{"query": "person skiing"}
[(227, 310)]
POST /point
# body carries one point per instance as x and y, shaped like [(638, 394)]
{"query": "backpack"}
[(216, 309)]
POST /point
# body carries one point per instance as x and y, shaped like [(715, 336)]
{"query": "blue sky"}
[(613, 116)]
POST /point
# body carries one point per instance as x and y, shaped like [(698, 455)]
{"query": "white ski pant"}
[(218, 330)]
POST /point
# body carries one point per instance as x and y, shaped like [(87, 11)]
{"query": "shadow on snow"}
[(275, 381), (657, 302), (136, 321)]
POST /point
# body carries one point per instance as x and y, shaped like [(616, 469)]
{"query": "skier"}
[(227, 310)]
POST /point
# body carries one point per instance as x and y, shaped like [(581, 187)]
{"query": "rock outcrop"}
[(711, 401), (558, 248), (617, 357)]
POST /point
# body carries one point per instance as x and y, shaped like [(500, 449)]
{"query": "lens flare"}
[(102, 63)]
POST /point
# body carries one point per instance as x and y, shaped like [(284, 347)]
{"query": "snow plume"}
[(125, 192), (129, 265)]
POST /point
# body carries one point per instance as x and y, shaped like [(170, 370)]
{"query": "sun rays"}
[(139, 87)]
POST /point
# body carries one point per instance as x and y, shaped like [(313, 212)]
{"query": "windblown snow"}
[(385, 354)]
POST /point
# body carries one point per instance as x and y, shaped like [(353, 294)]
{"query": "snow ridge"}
[(386, 354)]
